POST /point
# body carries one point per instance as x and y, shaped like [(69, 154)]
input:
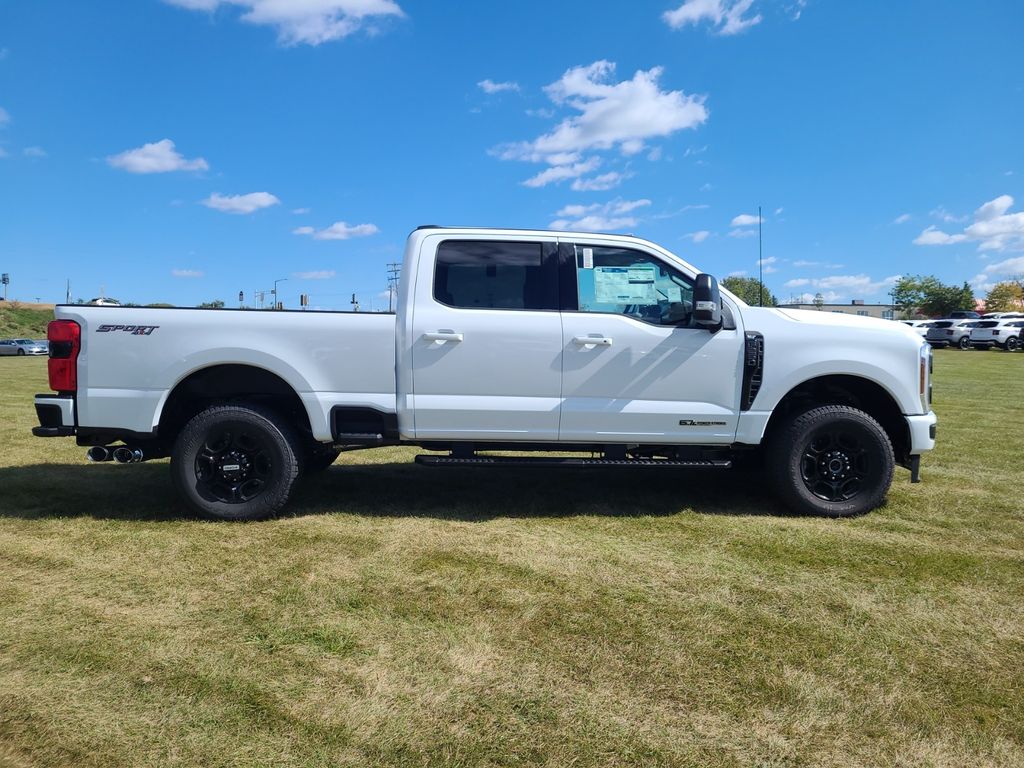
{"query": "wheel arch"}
[(854, 391), (225, 383)]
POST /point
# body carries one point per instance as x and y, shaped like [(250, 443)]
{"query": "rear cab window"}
[(492, 274)]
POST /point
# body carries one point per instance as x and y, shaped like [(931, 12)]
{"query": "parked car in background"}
[(964, 314), (951, 333), (921, 326), (997, 333), (25, 347), (1002, 315)]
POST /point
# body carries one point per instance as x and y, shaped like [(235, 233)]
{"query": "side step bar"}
[(555, 461), (358, 438)]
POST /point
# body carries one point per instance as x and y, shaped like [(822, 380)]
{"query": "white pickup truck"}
[(606, 349)]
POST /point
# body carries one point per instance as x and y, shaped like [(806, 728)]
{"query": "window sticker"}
[(624, 285), (588, 258)]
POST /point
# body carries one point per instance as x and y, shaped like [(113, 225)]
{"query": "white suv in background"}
[(951, 333), (1003, 333), (920, 326)]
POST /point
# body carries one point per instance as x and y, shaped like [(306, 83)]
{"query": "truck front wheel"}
[(834, 461), (236, 462)]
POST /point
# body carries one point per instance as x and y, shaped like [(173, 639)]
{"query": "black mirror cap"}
[(707, 302)]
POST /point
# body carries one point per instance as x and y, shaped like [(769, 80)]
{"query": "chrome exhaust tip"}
[(99, 453), (126, 455)]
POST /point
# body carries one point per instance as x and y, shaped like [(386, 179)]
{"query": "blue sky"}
[(183, 150)]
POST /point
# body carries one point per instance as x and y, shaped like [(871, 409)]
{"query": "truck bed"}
[(132, 358)]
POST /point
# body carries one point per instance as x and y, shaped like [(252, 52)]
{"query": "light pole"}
[(279, 280)]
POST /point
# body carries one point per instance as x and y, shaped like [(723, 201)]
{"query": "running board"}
[(554, 461), (358, 438)]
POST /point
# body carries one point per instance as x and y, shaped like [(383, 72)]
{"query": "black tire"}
[(236, 462), (832, 461), (965, 342), (21, 353), (1012, 344), (319, 457)]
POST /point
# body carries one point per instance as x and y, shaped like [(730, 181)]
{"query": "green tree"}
[(215, 304), (1006, 296), (930, 296), (750, 290)]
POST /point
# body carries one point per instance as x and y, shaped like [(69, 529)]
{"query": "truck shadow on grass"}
[(398, 489)]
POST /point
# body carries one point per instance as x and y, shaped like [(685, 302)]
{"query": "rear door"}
[(636, 367), (486, 339)]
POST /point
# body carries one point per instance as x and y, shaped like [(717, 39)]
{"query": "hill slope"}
[(23, 322)]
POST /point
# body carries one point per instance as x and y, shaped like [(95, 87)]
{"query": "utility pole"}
[(5, 279), (277, 304), (354, 303), (241, 299), (67, 292), (393, 271)]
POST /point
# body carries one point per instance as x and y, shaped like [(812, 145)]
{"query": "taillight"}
[(65, 337)]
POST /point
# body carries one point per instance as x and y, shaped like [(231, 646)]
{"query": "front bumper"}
[(56, 414), (922, 432)]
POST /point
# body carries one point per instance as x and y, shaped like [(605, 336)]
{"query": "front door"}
[(486, 340), (636, 367)]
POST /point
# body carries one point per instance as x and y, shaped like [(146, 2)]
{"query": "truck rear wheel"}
[(834, 461), (235, 462)]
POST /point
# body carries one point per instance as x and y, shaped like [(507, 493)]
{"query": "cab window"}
[(625, 281), (487, 274)]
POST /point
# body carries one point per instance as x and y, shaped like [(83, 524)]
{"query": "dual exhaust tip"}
[(123, 454)]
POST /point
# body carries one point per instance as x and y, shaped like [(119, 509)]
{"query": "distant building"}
[(855, 307)]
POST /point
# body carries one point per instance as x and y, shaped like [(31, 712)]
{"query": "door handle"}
[(443, 336), (592, 341)]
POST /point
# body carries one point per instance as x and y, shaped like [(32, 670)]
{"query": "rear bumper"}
[(940, 343), (922, 432), (56, 414)]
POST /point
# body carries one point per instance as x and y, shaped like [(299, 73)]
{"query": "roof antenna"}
[(760, 262)]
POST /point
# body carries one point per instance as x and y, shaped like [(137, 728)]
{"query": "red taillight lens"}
[(65, 337)]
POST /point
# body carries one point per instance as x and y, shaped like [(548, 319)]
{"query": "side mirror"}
[(707, 302)]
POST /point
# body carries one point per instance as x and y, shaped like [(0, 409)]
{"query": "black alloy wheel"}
[(834, 461), (965, 342), (236, 462)]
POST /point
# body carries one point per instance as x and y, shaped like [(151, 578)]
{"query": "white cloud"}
[(699, 236), (845, 286), (610, 116), (489, 86), (305, 21), (600, 183), (339, 230), (745, 220), (5, 116), (943, 215), (249, 203), (766, 264), (558, 173), (779, 210), (737, 273), (901, 219), (727, 16), (993, 273), (743, 233), (34, 152), (3, 152), (300, 211), (187, 273), (994, 229), (826, 265), (599, 217), (318, 274), (158, 157)]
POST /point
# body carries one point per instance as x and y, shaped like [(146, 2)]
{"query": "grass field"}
[(415, 616)]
